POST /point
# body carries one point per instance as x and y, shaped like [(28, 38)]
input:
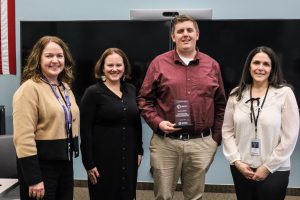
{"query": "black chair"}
[(2, 120), (8, 166)]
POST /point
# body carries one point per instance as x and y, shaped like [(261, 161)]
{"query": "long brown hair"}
[(275, 79), (33, 68)]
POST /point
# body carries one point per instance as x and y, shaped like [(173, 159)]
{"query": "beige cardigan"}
[(38, 115)]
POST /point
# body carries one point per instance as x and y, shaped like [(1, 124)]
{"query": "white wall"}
[(61, 10)]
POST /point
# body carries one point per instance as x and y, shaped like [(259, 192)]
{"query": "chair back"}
[(8, 166)]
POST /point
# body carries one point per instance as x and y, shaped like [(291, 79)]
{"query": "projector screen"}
[(228, 41)]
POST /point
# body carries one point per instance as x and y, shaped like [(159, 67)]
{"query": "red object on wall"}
[(7, 39)]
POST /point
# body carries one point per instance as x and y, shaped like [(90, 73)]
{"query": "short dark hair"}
[(183, 18), (99, 67)]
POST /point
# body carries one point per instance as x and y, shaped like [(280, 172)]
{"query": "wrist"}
[(237, 163)]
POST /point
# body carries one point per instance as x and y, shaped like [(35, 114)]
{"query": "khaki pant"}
[(189, 160)]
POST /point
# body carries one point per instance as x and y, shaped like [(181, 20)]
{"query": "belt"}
[(185, 135)]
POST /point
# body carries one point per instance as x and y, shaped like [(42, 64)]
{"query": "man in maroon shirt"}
[(187, 75)]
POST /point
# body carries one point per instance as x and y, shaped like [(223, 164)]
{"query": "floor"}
[(81, 193)]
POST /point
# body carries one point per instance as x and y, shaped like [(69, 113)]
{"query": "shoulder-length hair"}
[(33, 68), (275, 79), (99, 67)]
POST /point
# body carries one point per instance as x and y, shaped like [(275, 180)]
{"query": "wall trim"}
[(208, 187)]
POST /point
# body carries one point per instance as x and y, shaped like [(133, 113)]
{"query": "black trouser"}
[(273, 187), (58, 181)]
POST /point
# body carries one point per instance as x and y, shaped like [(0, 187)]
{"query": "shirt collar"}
[(177, 59)]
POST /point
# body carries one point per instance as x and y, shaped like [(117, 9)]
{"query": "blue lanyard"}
[(67, 111)]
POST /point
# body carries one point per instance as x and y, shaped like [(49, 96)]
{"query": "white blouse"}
[(277, 129)]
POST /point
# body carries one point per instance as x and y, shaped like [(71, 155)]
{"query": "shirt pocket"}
[(205, 85)]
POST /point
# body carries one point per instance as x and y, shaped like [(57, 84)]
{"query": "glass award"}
[(182, 114)]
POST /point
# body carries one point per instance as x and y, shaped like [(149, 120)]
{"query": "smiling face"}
[(260, 68), (52, 61), (185, 36), (113, 68)]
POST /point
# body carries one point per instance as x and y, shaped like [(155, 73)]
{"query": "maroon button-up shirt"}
[(169, 79)]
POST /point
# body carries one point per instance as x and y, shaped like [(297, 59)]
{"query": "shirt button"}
[(124, 128), (189, 92), (124, 109)]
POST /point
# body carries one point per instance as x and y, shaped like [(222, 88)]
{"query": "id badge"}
[(255, 147)]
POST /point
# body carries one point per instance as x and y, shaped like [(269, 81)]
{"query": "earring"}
[(103, 78), (124, 77)]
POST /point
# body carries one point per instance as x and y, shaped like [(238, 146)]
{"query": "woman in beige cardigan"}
[(46, 122)]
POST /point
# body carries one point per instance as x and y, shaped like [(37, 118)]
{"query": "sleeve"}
[(25, 120), (138, 125), (139, 135), (75, 125), (87, 118), (147, 98), (219, 104), (230, 148), (289, 135)]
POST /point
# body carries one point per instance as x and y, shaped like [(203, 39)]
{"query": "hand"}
[(167, 127), (261, 173), (37, 191), (139, 160), (93, 174), (245, 169)]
